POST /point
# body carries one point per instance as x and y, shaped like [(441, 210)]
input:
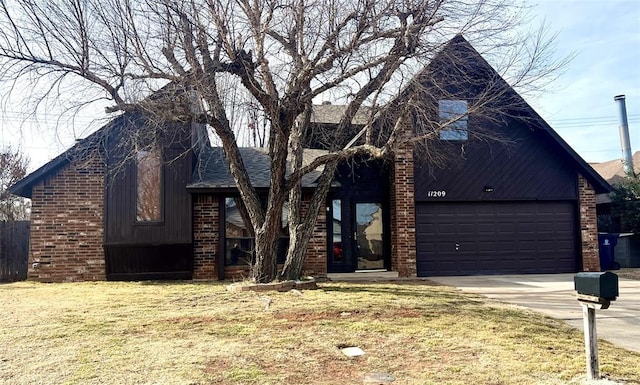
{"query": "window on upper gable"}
[(149, 185), (453, 114)]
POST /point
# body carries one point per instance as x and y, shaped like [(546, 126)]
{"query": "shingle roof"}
[(212, 170), (332, 113), (613, 170)]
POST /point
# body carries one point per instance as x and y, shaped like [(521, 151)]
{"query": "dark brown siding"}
[(523, 168), (14, 250), (120, 197), (149, 250), (175, 226), (149, 262)]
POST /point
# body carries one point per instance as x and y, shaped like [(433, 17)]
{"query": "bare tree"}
[(13, 167), (276, 57)]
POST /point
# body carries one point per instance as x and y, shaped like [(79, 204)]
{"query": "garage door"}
[(496, 238)]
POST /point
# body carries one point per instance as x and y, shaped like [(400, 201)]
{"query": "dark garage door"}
[(496, 238)]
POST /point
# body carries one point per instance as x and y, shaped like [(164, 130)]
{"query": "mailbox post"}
[(594, 291)]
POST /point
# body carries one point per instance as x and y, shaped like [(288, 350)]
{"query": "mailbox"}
[(598, 284)]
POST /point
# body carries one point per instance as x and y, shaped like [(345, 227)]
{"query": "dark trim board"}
[(148, 262), (476, 238), (152, 276)]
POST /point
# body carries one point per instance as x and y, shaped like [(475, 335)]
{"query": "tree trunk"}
[(265, 267), (300, 236), (295, 254), (292, 269)]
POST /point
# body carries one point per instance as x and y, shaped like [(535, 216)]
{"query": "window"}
[(149, 186), (336, 230), (453, 113), (239, 238)]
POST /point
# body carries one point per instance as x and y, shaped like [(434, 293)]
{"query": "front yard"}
[(199, 333)]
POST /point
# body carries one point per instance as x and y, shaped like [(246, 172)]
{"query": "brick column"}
[(206, 226), (67, 224), (315, 262), (403, 221), (588, 226)]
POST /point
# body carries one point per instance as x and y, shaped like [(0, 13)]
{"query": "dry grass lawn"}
[(199, 333)]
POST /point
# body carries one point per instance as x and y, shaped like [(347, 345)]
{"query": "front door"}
[(368, 229), (357, 236)]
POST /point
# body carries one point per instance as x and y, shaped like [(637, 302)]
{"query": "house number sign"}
[(436, 194)]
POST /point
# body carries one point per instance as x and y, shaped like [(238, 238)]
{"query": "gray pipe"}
[(627, 160)]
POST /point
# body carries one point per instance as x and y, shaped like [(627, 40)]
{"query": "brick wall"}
[(206, 230), (67, 224), (588, 226), (315, 263), (403, 231)]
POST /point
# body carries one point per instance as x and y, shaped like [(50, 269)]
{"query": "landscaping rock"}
[(309, 284), (379, 378), (352, 351)]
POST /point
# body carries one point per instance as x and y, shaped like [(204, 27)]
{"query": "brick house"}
[(99, 212)]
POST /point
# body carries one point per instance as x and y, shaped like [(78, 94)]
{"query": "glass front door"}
[(337, 255), (356, 235), (369, 236)]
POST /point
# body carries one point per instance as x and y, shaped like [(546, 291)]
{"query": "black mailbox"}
[(597, 284)]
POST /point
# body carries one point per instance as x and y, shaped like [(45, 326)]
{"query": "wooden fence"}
[(14, 250)]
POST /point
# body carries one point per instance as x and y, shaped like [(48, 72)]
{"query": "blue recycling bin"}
[(607, 243)]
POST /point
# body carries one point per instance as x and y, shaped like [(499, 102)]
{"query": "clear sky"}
[(604, 35)]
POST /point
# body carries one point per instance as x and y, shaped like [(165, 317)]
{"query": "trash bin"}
[(607, 243)]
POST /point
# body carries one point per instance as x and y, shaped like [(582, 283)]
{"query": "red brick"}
[(67, 224), (403, 239), (588, 226)]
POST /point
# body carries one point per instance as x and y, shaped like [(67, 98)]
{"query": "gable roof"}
[(599, 184), (23, 187), (212, 169), (460, 50), (94, 141)]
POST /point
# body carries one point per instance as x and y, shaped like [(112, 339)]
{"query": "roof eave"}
[(24, 187), (599, 184)]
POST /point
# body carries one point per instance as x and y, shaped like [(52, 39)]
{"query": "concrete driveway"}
[(553, 295)]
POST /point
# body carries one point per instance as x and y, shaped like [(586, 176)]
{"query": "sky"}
[(604, 36)]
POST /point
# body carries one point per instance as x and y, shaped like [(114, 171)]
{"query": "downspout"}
[(627, 160)]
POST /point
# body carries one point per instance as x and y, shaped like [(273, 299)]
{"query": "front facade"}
[(505, 208), (525, 204)]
